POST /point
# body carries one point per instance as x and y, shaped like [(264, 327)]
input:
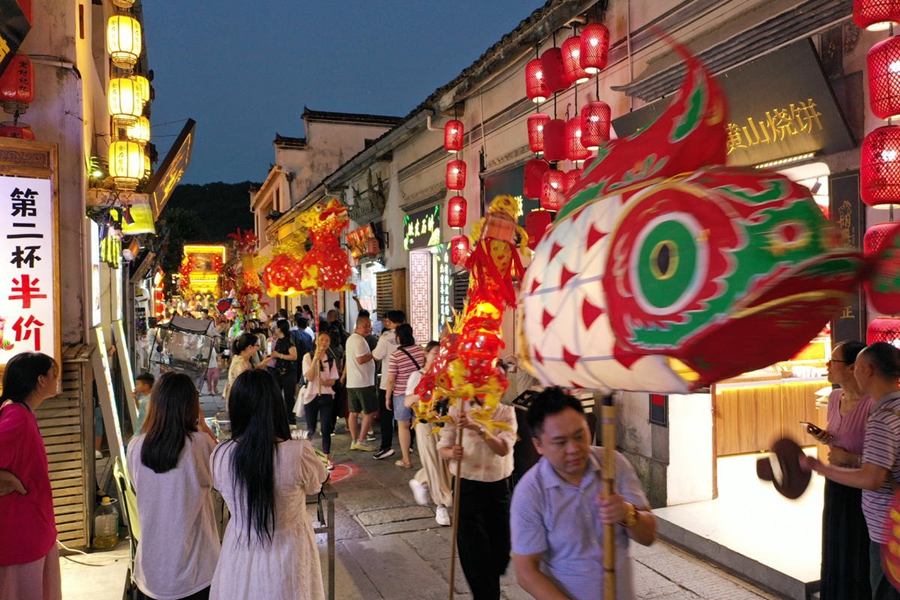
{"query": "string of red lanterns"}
[(457, 207)]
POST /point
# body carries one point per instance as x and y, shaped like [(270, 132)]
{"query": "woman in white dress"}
[(269, 550)]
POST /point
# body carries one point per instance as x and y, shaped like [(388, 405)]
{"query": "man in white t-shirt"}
[(387, 343), (360, 384)]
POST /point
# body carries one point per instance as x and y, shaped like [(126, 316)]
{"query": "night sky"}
[(244, 70)]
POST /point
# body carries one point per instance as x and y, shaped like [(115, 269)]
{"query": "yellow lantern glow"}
[(139, 131), (126, 163), (123, 39), (143, 88), (148, 168), (124, 103)]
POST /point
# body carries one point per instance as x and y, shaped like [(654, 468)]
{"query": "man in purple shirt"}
[(559, 508), (877, 370)]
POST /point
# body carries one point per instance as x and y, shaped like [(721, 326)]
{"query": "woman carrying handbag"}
[(321, 372)]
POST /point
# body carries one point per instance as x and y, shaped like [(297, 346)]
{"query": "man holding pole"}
[(482, 461), (559, 509)]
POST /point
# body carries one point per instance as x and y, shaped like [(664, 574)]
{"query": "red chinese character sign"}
[(28, 268)]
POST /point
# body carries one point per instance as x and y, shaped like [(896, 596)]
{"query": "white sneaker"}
[(442, 516), (420, 492)]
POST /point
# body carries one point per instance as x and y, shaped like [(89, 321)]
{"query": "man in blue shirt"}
[(559, 509)]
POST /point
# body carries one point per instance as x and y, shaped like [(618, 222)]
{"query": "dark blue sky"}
[(244, 70)]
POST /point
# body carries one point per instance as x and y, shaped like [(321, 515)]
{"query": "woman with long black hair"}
[(29, 559), (285, 355), (269, 549), (169, 467)]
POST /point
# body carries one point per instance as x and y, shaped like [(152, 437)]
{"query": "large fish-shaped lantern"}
[(666, 271)]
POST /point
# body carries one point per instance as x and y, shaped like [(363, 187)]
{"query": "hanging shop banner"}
[(780, 106), (170, 172), (849, 214), (422, 229), (510, 183), (14, 26), (29, 285)]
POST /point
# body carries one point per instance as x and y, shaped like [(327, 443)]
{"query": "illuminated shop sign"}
[(422, 229)]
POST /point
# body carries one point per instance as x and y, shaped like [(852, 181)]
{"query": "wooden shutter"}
[(390, 291), (460, 289)]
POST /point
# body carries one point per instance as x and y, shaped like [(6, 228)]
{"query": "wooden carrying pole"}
[(456, 486), (608, 436)]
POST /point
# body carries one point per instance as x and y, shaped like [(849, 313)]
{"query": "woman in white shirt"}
[(321, 372), (169, 467)]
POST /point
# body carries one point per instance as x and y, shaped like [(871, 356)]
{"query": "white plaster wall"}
[(690, 472)]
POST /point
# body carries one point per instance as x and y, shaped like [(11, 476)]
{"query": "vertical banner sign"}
[(28, 264), (848, 212)]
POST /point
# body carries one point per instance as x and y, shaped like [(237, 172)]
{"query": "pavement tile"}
[(393, 515), (429, 544), (394, 568), (401, 526)]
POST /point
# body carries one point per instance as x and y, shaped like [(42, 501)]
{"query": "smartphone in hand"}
[(813, 430)]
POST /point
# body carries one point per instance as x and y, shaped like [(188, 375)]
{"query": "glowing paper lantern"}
[(595, 120), (883, 62), (123, 39), (554, 73), (884, 329), (534, 178), (535, 86), (456, 174), (126, 163), (456, 211), (536, 224), (594, 48), (876, 15), (571, 53), (453, 136), (459, 250), (124, 104), (553, 192), (17, 85), (555, 140), (142, 88), (139, 131), (17, 130), (536, 123), (880, 166), (574, 149)]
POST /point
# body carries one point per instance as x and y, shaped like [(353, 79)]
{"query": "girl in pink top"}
[(29, 560)]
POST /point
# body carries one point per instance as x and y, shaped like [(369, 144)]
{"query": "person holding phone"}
[(845, 536)]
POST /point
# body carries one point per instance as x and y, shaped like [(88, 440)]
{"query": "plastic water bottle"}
[(106, 525)]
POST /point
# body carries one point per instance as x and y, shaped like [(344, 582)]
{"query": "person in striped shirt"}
[(404, 361)]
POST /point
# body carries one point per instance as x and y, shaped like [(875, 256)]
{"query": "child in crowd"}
[(143, 383)]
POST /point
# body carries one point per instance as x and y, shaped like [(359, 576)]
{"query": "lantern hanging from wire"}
[(554, 72), (880, 167), (555, 140), (17, 85), (535, 86), (884, 329), (139, 131), (553, 190), (536, 224), (574, 148), (456, 174), (459, 250), (142, 86), (594, 48), (572, 177), (875, 238), (126, 163), (571, 53), (536, 123), (457, 211), (880, 289), (595, 120), (453, 136), (534, 178), (17, 130), (883, 61), (123, 39), (124, 104), (876, 15)]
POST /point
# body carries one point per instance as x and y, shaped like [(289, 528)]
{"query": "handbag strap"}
[(415, 362)]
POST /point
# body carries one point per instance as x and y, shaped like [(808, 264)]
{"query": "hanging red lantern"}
[(572, 177), (554, 72), (459, 250), (595, 120), (17, 130), (553, 191), (535, 86), (453, 136), (536, 224), (571, 53), (555, 140), (876, 15), (534, 178), (884, 329), (880, 166), (17, 85), (574, 148), (456, 174), (875, 237), (456, 211), (536, 123), (594, 48), (883, 62)]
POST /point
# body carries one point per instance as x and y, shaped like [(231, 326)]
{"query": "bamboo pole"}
[(456, 486), (608, 434)]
